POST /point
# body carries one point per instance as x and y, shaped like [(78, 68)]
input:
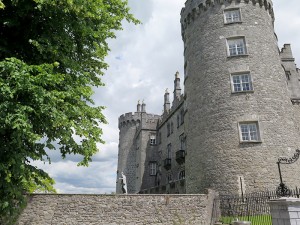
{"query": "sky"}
[(143, 61)]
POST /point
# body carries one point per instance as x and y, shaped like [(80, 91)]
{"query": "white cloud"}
[(143, 61), (99, 177), (287, 25)]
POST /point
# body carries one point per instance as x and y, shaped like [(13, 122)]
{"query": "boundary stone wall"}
[(70, 209)]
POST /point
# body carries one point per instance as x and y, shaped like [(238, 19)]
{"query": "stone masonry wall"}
[(46, 209), (144, 149), (174, 140), (217, 157)]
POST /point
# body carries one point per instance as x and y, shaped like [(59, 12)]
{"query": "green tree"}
[(51, 56)]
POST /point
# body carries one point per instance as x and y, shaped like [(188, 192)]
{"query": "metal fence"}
[(252, 207)]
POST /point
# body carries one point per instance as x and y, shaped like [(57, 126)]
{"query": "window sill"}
[(241, 92), (230, 23), (236, 56), (251, 142)]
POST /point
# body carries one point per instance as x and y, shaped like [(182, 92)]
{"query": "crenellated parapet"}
[(129, 119), (194, 8)]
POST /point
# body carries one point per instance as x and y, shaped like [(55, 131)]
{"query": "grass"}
[(255, 220)]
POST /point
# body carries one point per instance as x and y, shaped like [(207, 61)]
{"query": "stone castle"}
[(238, 114)]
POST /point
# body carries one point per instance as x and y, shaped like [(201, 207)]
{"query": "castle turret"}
[(136, 131), (177, 88), (138, 107), (291, 72), (240, 116), (167, 102), (129, 123), (143, 107)]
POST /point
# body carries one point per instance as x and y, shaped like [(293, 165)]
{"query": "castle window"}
[(249, 132), (182, 138), (178, 121), (152, 139), (241, 82), (182, 116), (168, 129), (152, 168), (169, 151), (181, 175), (232, 16), (236, 46)]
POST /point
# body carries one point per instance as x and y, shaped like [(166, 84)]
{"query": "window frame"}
[(236, 39), (232, 10), (151, 138), (182, 139), (152, 168), (169, 151), (248, 123), (240, 74), (181, 116)]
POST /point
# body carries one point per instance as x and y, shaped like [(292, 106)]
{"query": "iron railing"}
[(252, 207)]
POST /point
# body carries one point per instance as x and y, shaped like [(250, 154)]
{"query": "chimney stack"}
[(177, 89), (138, 107), (143, 107), (167, 102)]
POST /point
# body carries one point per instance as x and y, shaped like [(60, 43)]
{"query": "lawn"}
[(255, 220)]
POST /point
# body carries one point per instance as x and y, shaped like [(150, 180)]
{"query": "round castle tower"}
[(134, 136), (240, 115), (128, 125)]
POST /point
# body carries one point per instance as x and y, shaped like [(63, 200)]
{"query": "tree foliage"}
[(51, 56)]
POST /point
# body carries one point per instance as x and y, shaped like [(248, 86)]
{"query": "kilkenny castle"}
[(238, 114)]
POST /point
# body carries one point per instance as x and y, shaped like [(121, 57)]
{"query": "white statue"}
[(124, 183)]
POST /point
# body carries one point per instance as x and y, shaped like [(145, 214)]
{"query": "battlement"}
[(130, 117), (194, 8), (137, 117)]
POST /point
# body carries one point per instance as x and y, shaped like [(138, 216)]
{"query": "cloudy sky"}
[(143, 61)]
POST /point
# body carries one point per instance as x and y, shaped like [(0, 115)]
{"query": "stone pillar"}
[(285, 211)]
